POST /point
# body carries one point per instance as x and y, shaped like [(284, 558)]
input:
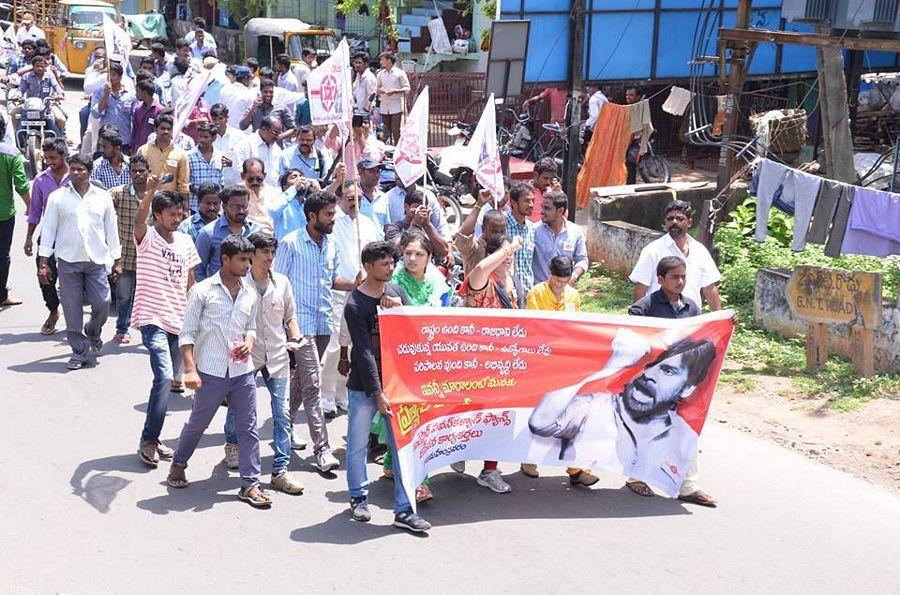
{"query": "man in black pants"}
[(633, 95)]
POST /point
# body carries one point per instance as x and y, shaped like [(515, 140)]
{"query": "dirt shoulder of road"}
[(864, 442)]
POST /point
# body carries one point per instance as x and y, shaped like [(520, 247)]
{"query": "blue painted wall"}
[(619, 39)]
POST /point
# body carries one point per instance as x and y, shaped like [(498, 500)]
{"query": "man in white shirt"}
[(392, 87), (238, 96), (307, 63), (364, 83), (79, 226), (200, 45), (198, 24), (227, 141), (29, 30), (702, 273), (286, 78), (263, 144), (595, 103), (94, 80), (334, 384)]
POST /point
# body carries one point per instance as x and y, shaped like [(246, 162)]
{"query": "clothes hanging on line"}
[(677, 101), (839, 222), (826, 207), (789, 190), (874, 225), (604, 160), (640, 122)]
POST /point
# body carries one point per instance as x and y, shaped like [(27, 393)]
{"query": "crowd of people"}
[(246, 249)]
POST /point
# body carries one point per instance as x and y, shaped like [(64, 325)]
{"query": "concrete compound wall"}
[(773, 313)]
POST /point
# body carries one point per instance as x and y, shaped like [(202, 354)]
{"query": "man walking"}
[(79, 226), (270, 358), (308, 258), (216, 342), (364, 385), (209, 207), (127, 202), (12, 178), (114, 105), (165, 271), (45, 183), (165, 158)]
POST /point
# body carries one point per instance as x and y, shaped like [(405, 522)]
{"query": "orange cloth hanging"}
[(604, 161)]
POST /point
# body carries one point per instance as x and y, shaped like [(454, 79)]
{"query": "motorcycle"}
[(33, 130)]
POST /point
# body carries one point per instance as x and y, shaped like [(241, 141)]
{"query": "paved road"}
[(81, 513)]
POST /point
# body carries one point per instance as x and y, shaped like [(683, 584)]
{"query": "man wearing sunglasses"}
[(235, 208), (702, 275)]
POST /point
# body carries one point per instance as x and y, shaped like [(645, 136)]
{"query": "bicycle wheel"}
[(654, 169), (452, 211)]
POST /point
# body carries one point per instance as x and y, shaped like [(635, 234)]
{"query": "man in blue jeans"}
[(364, 382), (277, 312), (164, 272)]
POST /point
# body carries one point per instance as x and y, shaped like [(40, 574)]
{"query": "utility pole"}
[(736, 74), (576, 65)]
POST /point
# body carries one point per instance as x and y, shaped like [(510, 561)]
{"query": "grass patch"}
[(757, 352)]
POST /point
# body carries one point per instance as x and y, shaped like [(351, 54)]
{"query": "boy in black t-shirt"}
[(364, 387)]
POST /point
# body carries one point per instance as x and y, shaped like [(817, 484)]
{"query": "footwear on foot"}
[(530, 470), (176, 478), (74, 364), (176, 387), (285, 483), (297, 441), (49, 326), (583, 478), (232, 454), (11, 300), (458, 466), (326, 461), (493, 481), (359, 510), (122, 339), (423, 493), (640, 488), (255, 496), (148, 455), (389, 473), (330, 414), (699, 497), (411, 521), (164, 452)]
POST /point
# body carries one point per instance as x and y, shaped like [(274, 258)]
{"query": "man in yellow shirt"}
[(163, 157), (556, 294)]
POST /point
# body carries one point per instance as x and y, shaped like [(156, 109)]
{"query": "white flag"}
[(193, 88), (9, 37), (485, 155), (330, 88), (117, 40), (410, 157)]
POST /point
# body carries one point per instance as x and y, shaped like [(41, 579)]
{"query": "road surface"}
[(82, 514)]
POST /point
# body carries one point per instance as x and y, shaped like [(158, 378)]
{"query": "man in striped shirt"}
[(111, 168), (308, 258), (165, 263), (216, 343), (204, 163)]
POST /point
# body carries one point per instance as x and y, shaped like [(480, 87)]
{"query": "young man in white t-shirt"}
[(165, 271)]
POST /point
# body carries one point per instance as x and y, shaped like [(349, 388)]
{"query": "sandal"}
[(49, 326), (530, 470), (699, 497), (255, 496), (74, 364), (640, 488), (423, 493), (11, 301), (176, 478), (176, 388)]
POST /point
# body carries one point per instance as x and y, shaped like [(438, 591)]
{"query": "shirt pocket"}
[(170, 166)]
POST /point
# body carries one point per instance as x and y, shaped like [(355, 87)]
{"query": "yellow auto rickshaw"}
[(77, 29), (266, 38)]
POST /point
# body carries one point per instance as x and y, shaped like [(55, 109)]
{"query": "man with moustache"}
[(702, 276)]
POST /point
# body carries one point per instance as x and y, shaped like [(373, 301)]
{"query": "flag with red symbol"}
[(409, 159), (330, 88), (486, 152)]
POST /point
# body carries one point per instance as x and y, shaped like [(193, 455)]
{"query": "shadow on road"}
[(459, 500), (54, 364), (15, 338), (101, 488), (199, 496)]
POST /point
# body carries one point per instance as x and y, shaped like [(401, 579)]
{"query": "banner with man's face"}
[(616, 393)]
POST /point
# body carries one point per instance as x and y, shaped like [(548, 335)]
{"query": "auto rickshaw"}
[(77, 29), (266, 38)]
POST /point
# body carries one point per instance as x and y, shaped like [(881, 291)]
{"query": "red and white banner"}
[(624, 394), (485, 153), (330, 88), (194, 87), (410, 156)]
